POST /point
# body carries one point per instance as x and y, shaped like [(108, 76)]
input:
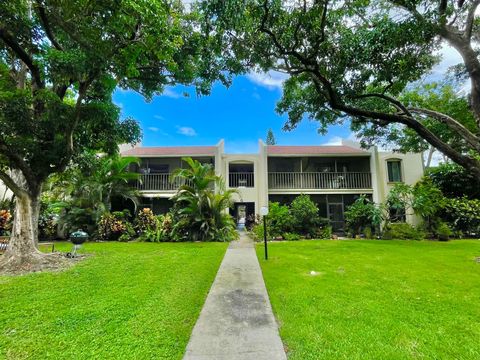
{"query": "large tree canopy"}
[(60, 62), (354, 59)]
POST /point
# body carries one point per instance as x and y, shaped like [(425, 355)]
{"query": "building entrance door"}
[(335, 214)]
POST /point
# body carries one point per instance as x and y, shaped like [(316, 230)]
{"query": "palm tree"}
[(201, 204), (83, 193)]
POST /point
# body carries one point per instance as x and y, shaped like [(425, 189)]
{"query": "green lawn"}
[(376, 299), (129, 301)]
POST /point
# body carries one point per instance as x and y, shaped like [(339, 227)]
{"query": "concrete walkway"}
[(236, 322)]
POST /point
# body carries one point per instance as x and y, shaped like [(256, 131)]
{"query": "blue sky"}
[(240, 115)]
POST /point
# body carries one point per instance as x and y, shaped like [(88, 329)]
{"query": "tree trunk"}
[(22, 254)]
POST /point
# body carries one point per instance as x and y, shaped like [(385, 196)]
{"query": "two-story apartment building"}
[(334, 176)]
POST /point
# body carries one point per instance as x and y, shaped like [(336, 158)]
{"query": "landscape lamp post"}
[(264, 213)]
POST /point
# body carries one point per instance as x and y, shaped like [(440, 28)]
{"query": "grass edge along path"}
[(127, 301), (361, 299)]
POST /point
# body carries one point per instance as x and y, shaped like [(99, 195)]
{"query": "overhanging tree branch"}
[(10, 183), (470, 19), (23, 55), (46, 26), (454, 125)]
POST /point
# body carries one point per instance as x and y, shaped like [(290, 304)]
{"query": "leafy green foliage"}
[(61, 61), (83, 192), (300, 219), (114, 225), (145, 221), (304, 213), (463, 214), (424, 198), (279, 219), (355, 60), (402, 231), (445, 99), (443, 231), (454, 181), (199, 209), (362, 214)]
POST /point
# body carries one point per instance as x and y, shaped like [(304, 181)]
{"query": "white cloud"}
[(256, 95), (187, 131), (153, 128), (334, 140), (337, 140), (158, 117), (168, 92), (271, 80)]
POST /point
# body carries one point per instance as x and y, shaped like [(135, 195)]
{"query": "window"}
[(394, 170), (397, 214)]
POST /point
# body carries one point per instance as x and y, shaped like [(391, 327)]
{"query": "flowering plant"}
[(5, 222), (113, 226), (146, 220)]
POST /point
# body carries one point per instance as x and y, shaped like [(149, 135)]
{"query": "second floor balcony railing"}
[(319, 180), (241, 179), (158, 182)]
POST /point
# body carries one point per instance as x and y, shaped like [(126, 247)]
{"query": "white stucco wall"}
[(5, 192), (412, 170)]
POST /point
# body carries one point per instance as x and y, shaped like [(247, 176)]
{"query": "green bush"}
[(455, 181), (324, 232), (368, 233), (443, 231), (362, 214), (304, 214), (463, 214), (154, 235), (291, 236), (113, 225), (279, 220), (145, 220), (257, 232), (402, 231), (47, 226)]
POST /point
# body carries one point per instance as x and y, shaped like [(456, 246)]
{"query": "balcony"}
[(319, 180), (158, 182), (241, 179)]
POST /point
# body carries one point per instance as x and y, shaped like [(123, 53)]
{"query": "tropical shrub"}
[(159, 230), (145, 220), (463, 214), (279, 220), (304, 214), (324, 232), (81, 195), (113, 225), (362, 214), (443, 231), (291, 236), (5, 222), (47, 225), (199, 211), (424, 198), (402, 231), (154, 235), (257, 232), (455, 181)]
